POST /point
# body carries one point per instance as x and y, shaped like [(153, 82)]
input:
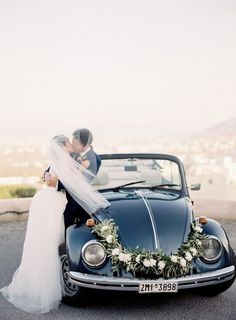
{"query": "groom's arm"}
[(60, 186), (99, 161)]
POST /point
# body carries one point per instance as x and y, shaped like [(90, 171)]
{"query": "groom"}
[(85, 155)]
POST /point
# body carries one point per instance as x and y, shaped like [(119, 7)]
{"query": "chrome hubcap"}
[(70, 288)]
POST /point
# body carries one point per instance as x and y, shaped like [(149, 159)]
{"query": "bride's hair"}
[(84, 136), (61, 139)]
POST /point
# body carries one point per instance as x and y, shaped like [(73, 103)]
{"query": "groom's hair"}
[(84, 136)]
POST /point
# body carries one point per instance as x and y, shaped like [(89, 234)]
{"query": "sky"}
[(121, 68)]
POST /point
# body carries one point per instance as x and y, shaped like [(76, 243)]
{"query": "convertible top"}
[(140, 156)]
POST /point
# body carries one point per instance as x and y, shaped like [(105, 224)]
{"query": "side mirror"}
[(196, 186)]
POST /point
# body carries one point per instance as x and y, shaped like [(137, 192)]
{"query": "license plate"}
[(158, 286)]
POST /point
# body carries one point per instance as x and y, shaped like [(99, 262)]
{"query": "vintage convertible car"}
[(148, 240)]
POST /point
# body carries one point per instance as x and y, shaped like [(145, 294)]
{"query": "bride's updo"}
[(61, 139)]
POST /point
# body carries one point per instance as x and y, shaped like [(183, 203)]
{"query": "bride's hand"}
[(85, 163), (53, 182), (50, 180)]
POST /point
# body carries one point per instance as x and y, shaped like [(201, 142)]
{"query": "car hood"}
[(146, 220)]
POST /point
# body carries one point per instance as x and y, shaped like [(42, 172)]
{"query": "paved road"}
[(119, 305)]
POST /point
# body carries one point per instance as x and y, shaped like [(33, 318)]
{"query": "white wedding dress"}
[(36, 285)]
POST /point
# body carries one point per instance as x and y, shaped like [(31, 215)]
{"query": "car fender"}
[(214, 228), (76, 237)]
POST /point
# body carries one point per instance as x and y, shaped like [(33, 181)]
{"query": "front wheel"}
[(74, 295)]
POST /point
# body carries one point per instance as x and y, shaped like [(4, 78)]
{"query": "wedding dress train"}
[(36, 285)]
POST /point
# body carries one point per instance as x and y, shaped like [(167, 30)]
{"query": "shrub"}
[(23, 192), (17, 191)]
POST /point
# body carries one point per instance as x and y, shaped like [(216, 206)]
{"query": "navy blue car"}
[(149, 239)]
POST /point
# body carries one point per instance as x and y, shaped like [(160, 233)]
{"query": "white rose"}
[(127, 257), (115, 252), (104, 228), (198, 229), (161, 264), (153, 262), (138, 258), (188, 256), (174, 259), (147, 263), (183, 262), (194, 251), (121, 256), (109, 238)]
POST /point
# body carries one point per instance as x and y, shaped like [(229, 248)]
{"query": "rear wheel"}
[(74, 295)]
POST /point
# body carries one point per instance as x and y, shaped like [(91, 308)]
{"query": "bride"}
[(37, 284)]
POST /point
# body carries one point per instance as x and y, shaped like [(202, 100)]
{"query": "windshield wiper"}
[(127, 184), (164, 185)]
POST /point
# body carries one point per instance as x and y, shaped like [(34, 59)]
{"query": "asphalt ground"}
[(109, 305)]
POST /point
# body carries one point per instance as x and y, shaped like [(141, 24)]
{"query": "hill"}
[(223, 129)]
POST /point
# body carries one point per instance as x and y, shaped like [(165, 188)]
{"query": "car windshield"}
[(135, 172)]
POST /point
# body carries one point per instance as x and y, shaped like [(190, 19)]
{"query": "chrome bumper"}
[(132, 284)]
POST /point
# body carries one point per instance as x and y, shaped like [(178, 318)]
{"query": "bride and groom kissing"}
[(37, 284), (81, 151)]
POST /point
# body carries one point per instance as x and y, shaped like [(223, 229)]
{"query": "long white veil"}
[(76, 179)]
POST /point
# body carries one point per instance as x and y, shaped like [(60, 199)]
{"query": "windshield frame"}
[(147, 156)]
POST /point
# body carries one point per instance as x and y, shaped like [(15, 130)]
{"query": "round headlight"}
[(94, 253), (212, 249)]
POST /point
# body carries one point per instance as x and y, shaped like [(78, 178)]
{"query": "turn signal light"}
[(203, 220), (90, 222)]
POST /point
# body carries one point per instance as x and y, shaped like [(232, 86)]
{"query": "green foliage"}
[(17, 191), (144, 263)]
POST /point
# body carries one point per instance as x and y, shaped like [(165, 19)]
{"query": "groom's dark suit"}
[(73, 210)]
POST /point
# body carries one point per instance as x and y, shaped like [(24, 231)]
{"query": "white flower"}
[(109, 238), (138, 258), (121, 256), (104, 228), (193, 251), (183, 262), (198, 229), (147, 263), (153, 262), (174, 259), (161, 264), (115, 252), (127, 257), (188, 256), (199, 243)]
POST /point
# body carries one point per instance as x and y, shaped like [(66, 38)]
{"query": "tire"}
[(74, 295)]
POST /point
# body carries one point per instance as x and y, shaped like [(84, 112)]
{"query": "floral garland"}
[(144, 263)]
